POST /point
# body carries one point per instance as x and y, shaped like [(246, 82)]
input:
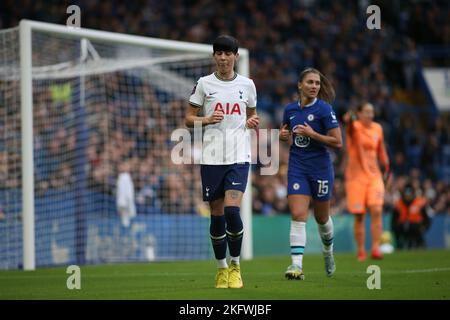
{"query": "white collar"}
[(309, 104)]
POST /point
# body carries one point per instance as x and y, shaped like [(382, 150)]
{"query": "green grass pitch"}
[(404, 275)]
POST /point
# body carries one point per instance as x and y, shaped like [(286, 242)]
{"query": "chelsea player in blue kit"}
[(313, 125)]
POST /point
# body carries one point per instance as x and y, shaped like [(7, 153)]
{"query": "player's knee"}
[(216, 207), (299, 215), (322, 219), (216, 211), (376, 210), (233, 198)]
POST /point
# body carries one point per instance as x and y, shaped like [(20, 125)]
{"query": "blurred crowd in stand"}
[(380, 66)]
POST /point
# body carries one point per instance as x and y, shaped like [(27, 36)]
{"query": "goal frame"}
[(26, 27)]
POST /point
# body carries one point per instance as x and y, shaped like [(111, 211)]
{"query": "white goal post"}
[(26, 30)]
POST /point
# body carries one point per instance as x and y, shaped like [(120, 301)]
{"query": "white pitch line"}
[(426, 270)]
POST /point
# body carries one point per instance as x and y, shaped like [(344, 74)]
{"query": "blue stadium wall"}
[(154, 236)]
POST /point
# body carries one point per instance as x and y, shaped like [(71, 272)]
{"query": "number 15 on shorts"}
[(323, 188)]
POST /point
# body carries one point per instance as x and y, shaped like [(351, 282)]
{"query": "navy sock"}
[(218, 236), (235, 230)]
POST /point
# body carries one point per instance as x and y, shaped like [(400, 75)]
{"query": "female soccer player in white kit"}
[(228, 102)]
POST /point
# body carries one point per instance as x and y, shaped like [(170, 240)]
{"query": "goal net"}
[(102, 106)]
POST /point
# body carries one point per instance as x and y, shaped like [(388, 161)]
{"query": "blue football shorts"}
[(216, 179), (318, 185)]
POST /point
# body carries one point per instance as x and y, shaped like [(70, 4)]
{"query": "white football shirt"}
[(228, 141)]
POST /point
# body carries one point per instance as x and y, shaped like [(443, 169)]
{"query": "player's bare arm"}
[(192, 117), (384, 160), (382, 155), (252, 118), (285, 133), (333, 138)]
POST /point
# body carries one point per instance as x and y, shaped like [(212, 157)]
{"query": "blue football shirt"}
[(306, 154)]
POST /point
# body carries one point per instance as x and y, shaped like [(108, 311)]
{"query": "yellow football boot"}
[(234, 276), (222, 278)]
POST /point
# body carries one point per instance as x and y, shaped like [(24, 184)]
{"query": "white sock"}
[(222, 263), (326, 232), (235, 259), (298, 241)]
